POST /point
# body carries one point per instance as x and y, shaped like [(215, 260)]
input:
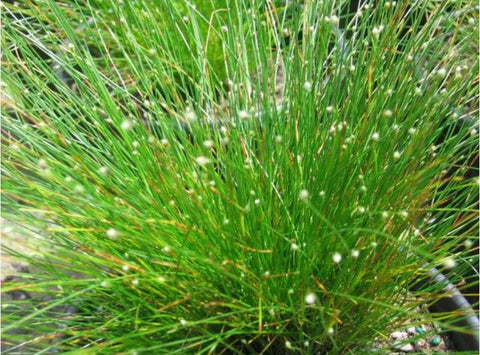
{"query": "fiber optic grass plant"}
[(181, 210)]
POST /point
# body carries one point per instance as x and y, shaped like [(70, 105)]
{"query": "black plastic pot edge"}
[(454, 302)]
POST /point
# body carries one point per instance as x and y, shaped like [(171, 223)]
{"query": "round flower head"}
[(311, 298), (127, 125), (337, 257), (112, 233), (307, 86), (303, 195)]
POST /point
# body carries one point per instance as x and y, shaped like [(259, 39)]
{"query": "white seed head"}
[(404, 214), (104, 284), (42, 163), (125, 268), (306, 344), (135, 144), (441, 72), (355, 253), (288, 344), (135, 282), (294, 246), (127, 125), (257, 201), (390, 92), (307, 86), (166, 249), (388, 113), (183, 322), (243, 115), (164, 141), (290, 291), (103, 170), (208, 143), (112, 233), (361, 209), (449, 263), (201, 160), (375, 136), (304, 195), (385, 214), (224, 28), (190, 115), (377, 30), (321, 193), (329, 109), (396, 155), (161, 279), (412, 131), (331, 330), (311, 298), (468, 244), (337, 257), (278, 139), (334, 20)]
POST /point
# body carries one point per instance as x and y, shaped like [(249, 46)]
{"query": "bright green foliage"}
[(264, 186)]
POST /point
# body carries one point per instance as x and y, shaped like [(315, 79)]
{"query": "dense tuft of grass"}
[(235, 177)]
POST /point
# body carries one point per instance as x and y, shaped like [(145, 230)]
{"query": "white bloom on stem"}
[(125, 268), (307, 86), (135, 144), (412, 131), (334, 20), (127, 125), (311, 298), (112, 233), (208, 143), (135, 282), (441, 72), (278, 139), (79, 189), (449, 263), (42, 163), (329, 109), (355, 253), (337, 257), (404, 214), (288, 344), (103, 170), (388, 113), (375, 136), (190, 114), (294, 246), (377, 30), (201, 160), (304, 195), (243, 115), (396, 155)]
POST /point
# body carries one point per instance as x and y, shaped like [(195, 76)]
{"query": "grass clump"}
[(270, 189)]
